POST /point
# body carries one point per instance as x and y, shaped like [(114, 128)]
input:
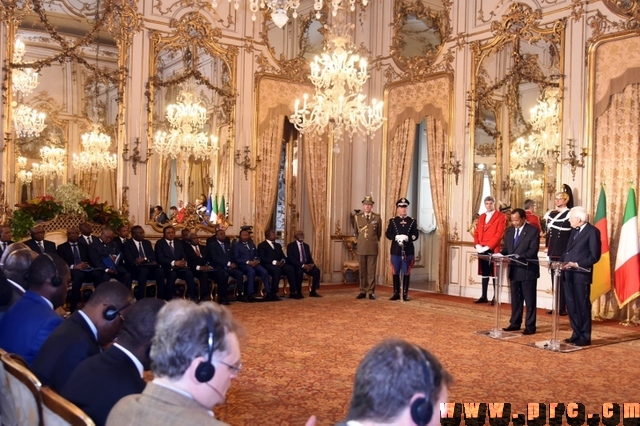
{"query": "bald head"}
[(17, 263), (11, 248)]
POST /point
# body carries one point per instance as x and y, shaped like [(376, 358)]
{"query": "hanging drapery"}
[(269, 148), (316, 159), (165, 184), (438, 151), (617, 135)]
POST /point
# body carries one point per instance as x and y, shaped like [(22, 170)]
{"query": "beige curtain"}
[(617, 137), (165, 184), (105, 187), (437, 146), (478, 182), (195, 180), (316, 159), (269, 148)]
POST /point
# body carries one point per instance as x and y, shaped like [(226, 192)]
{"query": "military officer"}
[(368, 228), (402, 231)]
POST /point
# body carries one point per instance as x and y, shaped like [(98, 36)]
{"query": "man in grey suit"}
[(522, 241), (195, 355), (368, 230)]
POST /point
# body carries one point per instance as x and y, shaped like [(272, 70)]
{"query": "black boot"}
[(405, 287), (485, 287), (396, 288)]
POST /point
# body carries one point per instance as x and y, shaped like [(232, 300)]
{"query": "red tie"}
[(198, 251)]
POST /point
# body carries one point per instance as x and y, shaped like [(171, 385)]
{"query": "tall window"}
[(419, 191)]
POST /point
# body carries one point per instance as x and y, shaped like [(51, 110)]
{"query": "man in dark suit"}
[(29, 322), (246, 255), (583, 251), (15, 266), (83, 334), (122, 235), (77, 258), (86, 237), (140, 261), (100, 381), (6, 238), (299, 255), (273, 260), (37, 242), (171, 257), (198, 261), (105, 256), (220, 257), (522, 242)]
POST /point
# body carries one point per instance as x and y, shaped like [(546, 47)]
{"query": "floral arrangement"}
[(70, 196), (101, 213), (38, 209)]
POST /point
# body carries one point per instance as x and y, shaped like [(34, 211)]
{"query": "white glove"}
[(478, 248), (399, 239), (405, 238), (485, 248)]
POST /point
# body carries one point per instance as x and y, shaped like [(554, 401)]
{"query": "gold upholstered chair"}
[(57, 411), (24, 388)]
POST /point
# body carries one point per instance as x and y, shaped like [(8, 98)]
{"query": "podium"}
[(501, 263), (554, 344)]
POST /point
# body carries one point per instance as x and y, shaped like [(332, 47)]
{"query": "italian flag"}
[(602, 270), (627, 275)]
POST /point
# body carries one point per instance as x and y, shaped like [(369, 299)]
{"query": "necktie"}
[(576, 233), (515, 239), (303, 255), (88, 239), (41, 245), (198, 251), (4, 246), (171, 245), (368, 217), (76, 254), (141, 251)]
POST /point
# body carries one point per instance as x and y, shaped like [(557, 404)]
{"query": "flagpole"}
[(627, 322), (597, 317)]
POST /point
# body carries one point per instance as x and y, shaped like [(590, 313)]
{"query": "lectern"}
[(501, 264)]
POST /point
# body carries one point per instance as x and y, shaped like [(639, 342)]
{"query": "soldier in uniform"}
[(402, 231), (557, 237), (368, 230)]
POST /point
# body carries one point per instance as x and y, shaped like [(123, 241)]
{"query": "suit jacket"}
[(368, 232), (219, 258), (584, 249), (99, 382), (490, 233), (293, 254), (64, 350), (160, 406), (267, 254), (10, 293), (2, 250), (130, 252), (26, 326), (533, 220), (242, 254), (99, 250), (49, 246), (165, 256), (119, 243), (65, 252), (83, 240), (526, 247), (193, 260)]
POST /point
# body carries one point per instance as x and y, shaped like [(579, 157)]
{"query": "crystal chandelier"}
[(95, 154), (279, 9), (545, 121), (23, 80), (186, 118), (24, 176), (53, 162), (338, 100), (27, 121)]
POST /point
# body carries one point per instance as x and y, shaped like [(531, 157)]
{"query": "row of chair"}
[(24, 402)]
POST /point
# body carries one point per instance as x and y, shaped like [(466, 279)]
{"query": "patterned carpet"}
[(300, 356)]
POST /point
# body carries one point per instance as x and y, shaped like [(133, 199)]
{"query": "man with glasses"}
[(83, 334), (195, 356)]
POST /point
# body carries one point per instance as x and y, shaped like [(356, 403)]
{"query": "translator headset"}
[(111, 312), (205, 370), (422, 408), (56, 280)]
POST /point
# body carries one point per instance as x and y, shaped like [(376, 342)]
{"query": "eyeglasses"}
[(233, 368)]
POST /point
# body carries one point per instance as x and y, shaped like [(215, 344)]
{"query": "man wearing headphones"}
[(195, 355), (83, 334), (29, 322), (398, 384)]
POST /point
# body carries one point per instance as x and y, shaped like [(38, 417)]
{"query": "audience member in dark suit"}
[(140, 260), (15, 266), (299, 256), (122, 235), (583, 251), (86, 237), (77, 257), (101, 251), (273, 260), (522, 241), (28, 323), (159, 216), (221, 258), (83, 334), (37, 242), (100, 381), (198, 261), (172, 259), (184, 237), (6, 238), (246, 256)]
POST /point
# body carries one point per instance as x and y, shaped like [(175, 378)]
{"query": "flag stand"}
[(628, 322), (597, 317)]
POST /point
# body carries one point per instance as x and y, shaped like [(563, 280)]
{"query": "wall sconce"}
[(572, 158), (190, 183), (551, 188), (208, 181), (246, 161), (178, 182), (453, 166), (507, 184), (135, 158)]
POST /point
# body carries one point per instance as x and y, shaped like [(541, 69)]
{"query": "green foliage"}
[(21, 223), (102, 213)]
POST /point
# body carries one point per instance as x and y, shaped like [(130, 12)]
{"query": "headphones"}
[(205, 370), (56, 280), (422, 408), (112, 312)]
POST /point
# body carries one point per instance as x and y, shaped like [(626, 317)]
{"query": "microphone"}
[(216, 391)]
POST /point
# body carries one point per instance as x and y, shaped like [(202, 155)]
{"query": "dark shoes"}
[(372, 296), (563, 313), (297, 296), (481, 300), (528, 332), (569, 340), (493, 302), (361, 296), (549, 312), (395, 296), (405, 297), (582, 343), (511, 328), (314, 294)]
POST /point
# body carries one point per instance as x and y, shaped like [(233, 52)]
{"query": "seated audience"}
[(273, 260), (198, 260), (6, 238), (140, 261), (173, 213), (299, 256), (246, 256), (100, 381), (105, 256), (171, 257), (122, 235), (195, 355), (159, 216), (83, 334), (86, 237), (398, 383), (37, 242), (221, 258), (76, 255), (28, 323), (15, 267)]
